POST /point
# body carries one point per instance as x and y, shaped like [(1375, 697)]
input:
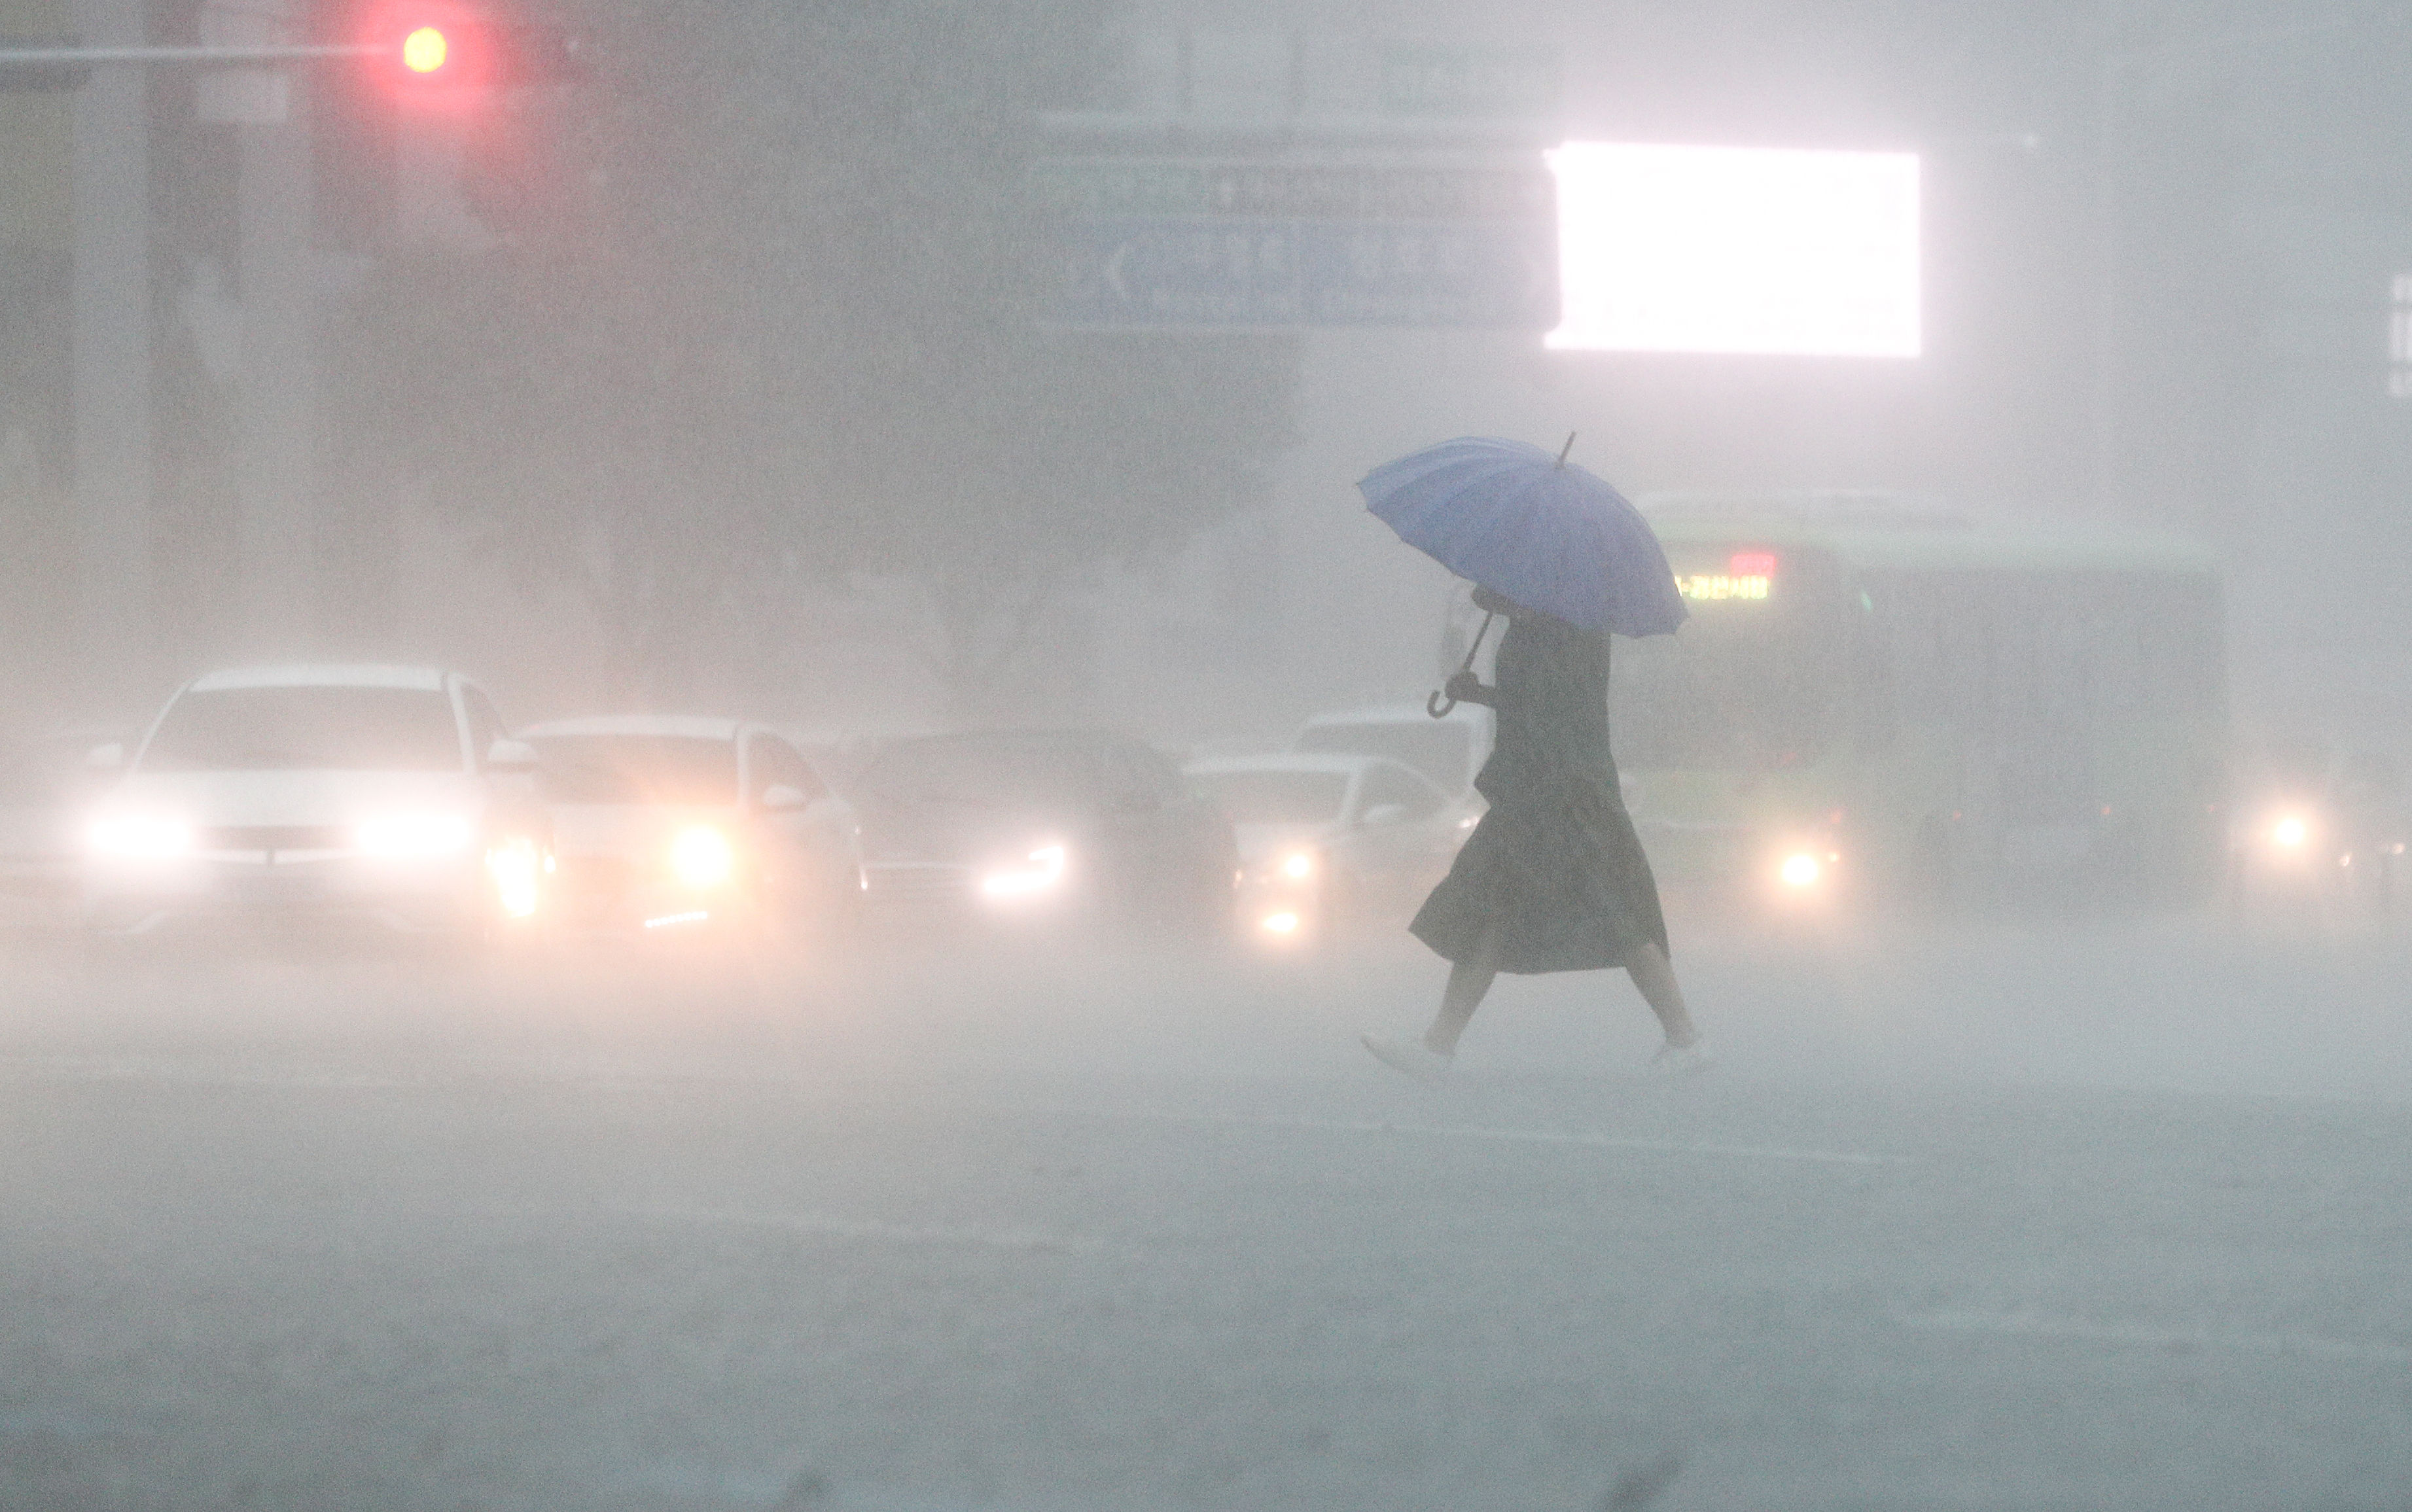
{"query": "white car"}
[(1447, 751), (1327, 839), (391, 795), (672, 822)]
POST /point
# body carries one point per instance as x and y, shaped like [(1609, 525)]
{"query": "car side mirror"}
[(1384, 813), (106, 757), (510, 757), (781, 795)]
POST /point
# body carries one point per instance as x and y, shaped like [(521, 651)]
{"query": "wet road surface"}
[(1999, 1217)]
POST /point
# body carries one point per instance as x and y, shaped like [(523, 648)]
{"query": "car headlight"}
[(1298, 865), (138, 836), (2292, 832), (1043, 871), (401, 835), (701, 857), (518, 868), (1800, 870)]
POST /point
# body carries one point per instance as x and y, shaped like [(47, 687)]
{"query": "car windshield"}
[(638, 768), (978, 772), (307, 728), (1276, 797), (1442, 751)]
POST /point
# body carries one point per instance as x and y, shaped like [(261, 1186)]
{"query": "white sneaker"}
[(1677, 1061), (1412, 1056)]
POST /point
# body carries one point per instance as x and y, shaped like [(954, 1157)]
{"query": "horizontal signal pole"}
[(85, 57)]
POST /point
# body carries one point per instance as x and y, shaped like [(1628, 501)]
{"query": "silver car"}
[(686, 824), (1327, 841)]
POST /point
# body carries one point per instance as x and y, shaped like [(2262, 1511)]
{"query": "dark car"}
[(1071, 826)]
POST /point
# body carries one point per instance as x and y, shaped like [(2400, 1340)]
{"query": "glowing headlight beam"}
[(2291, 832), (701, 857), (1298, 866), (517, 868), (1045, 870), (1284, 922), (138, 836), (1801, 870)]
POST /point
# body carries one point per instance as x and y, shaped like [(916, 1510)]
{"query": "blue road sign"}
[(1169, 271)]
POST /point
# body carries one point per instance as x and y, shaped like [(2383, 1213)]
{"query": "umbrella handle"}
[(1435, 703)]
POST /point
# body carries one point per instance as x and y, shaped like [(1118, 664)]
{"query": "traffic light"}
[(449, 57), (426, 50)]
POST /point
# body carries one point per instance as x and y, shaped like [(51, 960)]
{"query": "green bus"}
[(1877, 695)]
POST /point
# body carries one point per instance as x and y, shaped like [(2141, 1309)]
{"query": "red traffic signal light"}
[(426, 50), (437, 53)]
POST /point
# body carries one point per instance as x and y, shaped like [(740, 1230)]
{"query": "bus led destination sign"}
[(1705, 588), (1748, 575)]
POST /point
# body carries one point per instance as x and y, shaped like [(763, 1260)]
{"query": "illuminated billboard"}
[(1737, 249)]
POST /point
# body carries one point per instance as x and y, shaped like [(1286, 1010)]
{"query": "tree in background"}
[(763, 312)]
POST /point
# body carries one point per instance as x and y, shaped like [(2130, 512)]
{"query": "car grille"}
[(592, 877), (274, 837), (919, 882)]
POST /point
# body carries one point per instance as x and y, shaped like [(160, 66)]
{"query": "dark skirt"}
[(1554, 882)]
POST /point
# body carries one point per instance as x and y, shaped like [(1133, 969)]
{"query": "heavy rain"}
[(1069, 756)]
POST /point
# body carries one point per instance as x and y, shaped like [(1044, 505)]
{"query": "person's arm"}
[(1467, 687)]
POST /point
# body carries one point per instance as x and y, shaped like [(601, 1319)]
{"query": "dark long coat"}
[(1554, 878)]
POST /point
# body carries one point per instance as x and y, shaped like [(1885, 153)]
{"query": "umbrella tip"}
[(1568, 447)]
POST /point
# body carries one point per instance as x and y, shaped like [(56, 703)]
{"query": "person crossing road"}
[(1554, 877)]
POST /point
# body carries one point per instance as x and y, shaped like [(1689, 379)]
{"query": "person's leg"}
[(1468, 982), (1655, 975)]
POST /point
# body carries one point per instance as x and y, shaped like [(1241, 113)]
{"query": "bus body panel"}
[(1924, 708)]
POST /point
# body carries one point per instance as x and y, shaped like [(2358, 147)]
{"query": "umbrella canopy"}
[(1550, 536)]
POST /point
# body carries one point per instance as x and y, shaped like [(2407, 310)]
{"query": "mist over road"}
[(2000, 1216)]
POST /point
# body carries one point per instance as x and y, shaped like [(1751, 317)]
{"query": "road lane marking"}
[(830, 1225), (1550, 1137), (2032, 1326)]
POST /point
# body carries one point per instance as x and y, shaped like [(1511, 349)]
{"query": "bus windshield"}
[(1745, 686)]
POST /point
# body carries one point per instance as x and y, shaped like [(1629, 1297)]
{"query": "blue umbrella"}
[(1527, 525)]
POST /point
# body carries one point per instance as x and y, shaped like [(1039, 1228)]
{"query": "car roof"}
[(1335, 763), (319, 675), (689, 727), (1094, 738)]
